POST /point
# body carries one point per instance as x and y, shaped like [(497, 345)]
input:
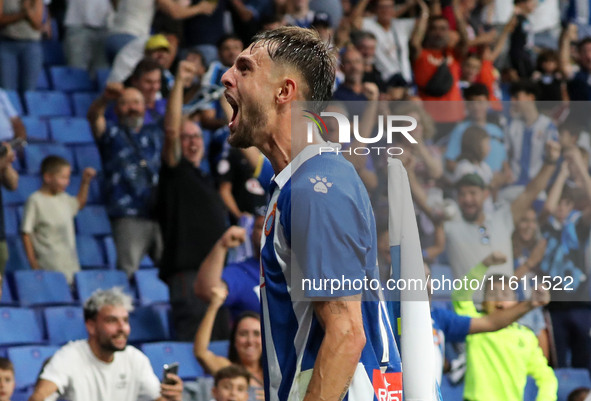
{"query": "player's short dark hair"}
[(304, 50), (225, 38), (525, 86), (476, 89), (231, 372), (52, 164), (145, 66), (5, 364)]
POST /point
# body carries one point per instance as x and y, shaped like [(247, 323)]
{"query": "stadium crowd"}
[(499, 173)]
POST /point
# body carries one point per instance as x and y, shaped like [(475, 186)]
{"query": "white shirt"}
[(392, 54), (94, 13), (127, 59), (502, 11), (134, 17), (7, 113), (465, 167), (545, 16), (80, 376)]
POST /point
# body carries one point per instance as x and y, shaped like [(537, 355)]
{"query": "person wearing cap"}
[(396, 88), (473, 234), (322, 24), (192, 215)]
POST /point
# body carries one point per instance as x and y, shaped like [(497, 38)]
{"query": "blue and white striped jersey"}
[(320, 226)]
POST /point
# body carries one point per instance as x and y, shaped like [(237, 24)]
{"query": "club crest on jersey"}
[(320, 184), (270, 220), (388, 386)]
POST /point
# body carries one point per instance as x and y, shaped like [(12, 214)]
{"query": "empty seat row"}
[(66, 130), (79, 157), (32, 288), (30, 184), (52, 103), (69, 79)]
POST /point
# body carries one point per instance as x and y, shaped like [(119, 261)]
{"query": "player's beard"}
[(252, 118), (107, 344)]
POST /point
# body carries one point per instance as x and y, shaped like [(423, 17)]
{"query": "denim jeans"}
[(116, 42), (22, 61), (84, 47)]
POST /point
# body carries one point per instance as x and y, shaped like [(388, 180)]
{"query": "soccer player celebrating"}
[(318, 344)]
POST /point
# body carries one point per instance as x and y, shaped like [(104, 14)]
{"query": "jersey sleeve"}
[(454, 326), (57, 370), (330, 237), (264, 173)]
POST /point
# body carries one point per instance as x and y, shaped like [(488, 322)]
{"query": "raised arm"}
[(564, 49), (87, 175), (177, 11), (502, 40), (338, 357), (210, 271), (555, 193), (462, 45), (574, 156), (538, 184), (357, 13), (96, 111), (419, 31)]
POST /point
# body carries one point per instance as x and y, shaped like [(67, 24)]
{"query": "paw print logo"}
[(320, 184)]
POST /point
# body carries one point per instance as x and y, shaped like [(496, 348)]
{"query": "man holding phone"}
[(103, 367)]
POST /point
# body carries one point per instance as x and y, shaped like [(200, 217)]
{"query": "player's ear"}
[(90, 326), (288, 91)]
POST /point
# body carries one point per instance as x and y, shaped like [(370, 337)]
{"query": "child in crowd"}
[(231, 384), (48, 221), (498, 363), (550, 81), (6, 379), (475, 149)]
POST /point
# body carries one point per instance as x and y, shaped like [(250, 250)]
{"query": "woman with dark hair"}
[(245, 343)]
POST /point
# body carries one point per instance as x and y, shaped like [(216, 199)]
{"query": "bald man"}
[(130, 152)]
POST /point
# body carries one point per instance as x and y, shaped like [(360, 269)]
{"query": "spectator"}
[(48, 220), (567, 232), (474, 234), (241, 280), (86, 31), (300, 15), (366, 43), (436, 64), (549, 79), (203, 32), (133, 18), (7, 382), (130, 151), (352, 88), (475, 148), (8, 180), (395, 89), (246, 16), (521, 50), (231, 384), (193, 84), (527, 134), (20, 44), (477, 97), (11, 126), (245, 342), (321, 23), (147, 78), (192, 216), (578, 84), (103, 367), (498, 363)]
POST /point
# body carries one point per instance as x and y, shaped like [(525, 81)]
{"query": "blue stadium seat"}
[(146, 263), (22, 395), (449, 392), (146, 326), (70, 79), (94, 191), (531, 390), (163, 311), (101, 77), (47, 104), (28, 362), (53, 53), (90, 252), (64, 323), (88, 156), (19, 326), (7, 298), (10, 221), (82, 101), (170, 352), (15, 99), (42, 82), (111, 252), (88, 281), (40, 287), (570, 379), (17, 258), (70, 130), (36, 129), (34, 155), (220, 348), (26, 186), (150, 288), (439, 272), (93, 220)]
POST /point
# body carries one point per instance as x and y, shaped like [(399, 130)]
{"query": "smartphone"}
[(15, 144), (172, 368)]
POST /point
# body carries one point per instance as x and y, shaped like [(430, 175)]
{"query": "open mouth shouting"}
[(235, 110)]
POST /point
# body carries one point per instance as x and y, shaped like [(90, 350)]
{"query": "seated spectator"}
[(245, 342), (11, 126), (366, 43), (191, 215), (7, 382), (9, 181), (20, 44), (147, 78), (133, 19), (231, 384), (566, 231), (436, 64), (240, 279), (130, 151), (300, 15), (477, 97), (103, 367), (527, 133), (86, 29), (498, 363), (48, 230)]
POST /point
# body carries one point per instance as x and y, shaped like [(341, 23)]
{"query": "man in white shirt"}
[(104, 368)]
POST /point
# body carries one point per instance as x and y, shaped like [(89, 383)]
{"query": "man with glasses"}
[(474, 234)]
